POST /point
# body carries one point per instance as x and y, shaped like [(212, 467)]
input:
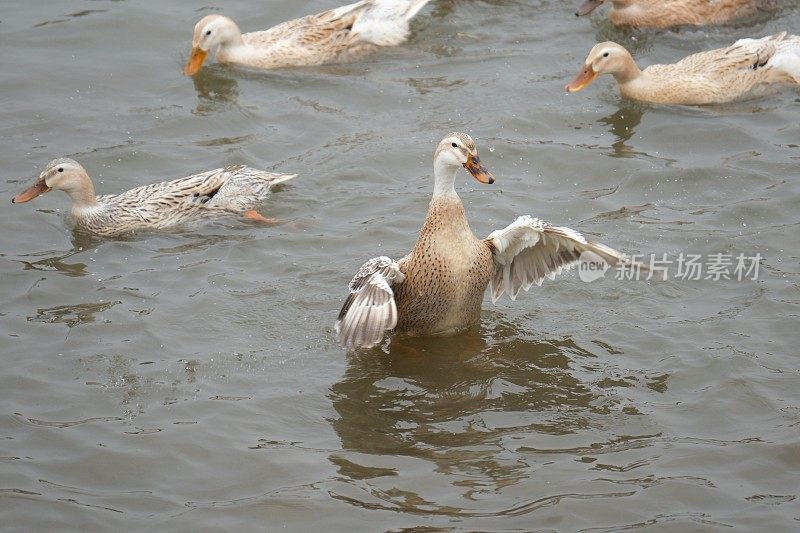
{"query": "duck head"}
[(212, 32), (604, 58), (62, 174), (459, 150)]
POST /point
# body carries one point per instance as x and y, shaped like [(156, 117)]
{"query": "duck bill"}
[(195, 62), (478, 171), (588, 6), (584, 78), (37, 189)]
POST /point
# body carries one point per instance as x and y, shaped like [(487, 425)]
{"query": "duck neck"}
[(630, 72), (83, 197), (234, 49), (444, 179), (446, 214)]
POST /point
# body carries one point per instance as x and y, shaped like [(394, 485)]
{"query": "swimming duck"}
[(667, 13), (340, 34), (224, 192), (747, 68), (438, 287)]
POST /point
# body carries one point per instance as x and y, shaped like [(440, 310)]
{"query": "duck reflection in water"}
[(623, 126), (51, 260), (454, 401), (215, 90), (55, 262)]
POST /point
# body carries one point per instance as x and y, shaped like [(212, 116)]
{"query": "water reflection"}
[(83, 239), (216, 91), (71, 315), (463, 407), (623, 125), (424, 86), (56, 260), (454, 400), (55, 263)]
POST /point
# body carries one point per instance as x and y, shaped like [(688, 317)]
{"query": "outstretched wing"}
[(529, 250), (370, 309)]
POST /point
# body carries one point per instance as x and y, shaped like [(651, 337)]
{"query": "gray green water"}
[(191, 381)]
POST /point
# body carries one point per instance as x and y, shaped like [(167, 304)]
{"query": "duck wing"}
[(370, 309), (245, 188), (530, 250), (743, 55)]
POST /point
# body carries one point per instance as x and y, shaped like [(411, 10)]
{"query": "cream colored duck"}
[(340, 34), (667, 13), (439, 286), (748, 68), (224, 192)]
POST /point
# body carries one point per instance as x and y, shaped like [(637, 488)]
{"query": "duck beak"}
[(478, 171), (587, 7), (584, 78), (195, 61), (38, 188)]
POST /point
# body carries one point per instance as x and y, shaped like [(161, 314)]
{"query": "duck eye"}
[(208, 32), (455, 145), (60, 169), (605, 55)]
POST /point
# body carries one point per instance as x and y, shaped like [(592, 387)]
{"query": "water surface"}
[(191, 380)]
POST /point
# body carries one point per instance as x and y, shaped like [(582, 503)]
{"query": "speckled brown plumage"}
[(446, 274)]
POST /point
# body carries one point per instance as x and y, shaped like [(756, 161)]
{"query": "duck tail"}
[(787, 58), (385, 22), (280, 178)]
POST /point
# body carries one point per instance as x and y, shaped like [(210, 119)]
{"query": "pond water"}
[(191, 380)]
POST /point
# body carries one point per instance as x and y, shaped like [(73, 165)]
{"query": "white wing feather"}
[(529, 250), (370, 309), (385, 22)]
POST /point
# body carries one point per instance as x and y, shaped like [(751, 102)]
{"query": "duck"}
[(342, 34), (669, 13), (746, 69), (223, 192), (438, 288)]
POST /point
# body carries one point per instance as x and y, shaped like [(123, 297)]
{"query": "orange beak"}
[(584, 78), (587, 7), (38, 188), (195, 61), (478, 171)]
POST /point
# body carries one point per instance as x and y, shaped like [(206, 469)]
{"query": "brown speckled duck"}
[(342, 34), (439, 286), (667, 13), (224, 192), (748, 68)]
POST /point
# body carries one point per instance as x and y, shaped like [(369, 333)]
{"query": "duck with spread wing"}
[(438, 287)]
